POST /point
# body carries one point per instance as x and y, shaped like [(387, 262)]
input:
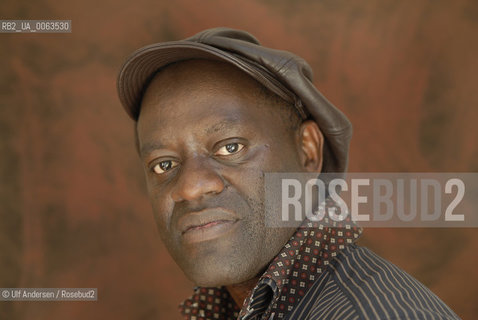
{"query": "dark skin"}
[(206, 137)]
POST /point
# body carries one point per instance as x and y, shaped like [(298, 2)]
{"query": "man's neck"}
[(239, 292)]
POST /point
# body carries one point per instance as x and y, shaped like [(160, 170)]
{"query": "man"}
[(213, 114)]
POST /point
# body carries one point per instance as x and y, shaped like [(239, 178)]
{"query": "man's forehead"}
[(200, 73), (201, 119), (201, 87), (223, 124)]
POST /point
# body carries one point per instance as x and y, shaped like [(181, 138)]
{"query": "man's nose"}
[(196, 179)]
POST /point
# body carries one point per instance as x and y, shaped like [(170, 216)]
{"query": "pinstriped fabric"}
[(360, 285), (260, 303), (325, 300), (336, 306), (362, 273)]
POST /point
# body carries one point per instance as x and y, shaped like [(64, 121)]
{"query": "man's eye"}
[(163, 166), (229, 148)]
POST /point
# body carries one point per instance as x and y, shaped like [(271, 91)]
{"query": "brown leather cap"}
[(284, 73)]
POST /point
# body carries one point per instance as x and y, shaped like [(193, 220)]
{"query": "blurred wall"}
[(73, 206)]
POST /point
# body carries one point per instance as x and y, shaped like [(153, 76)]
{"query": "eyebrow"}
[(220, 126), (149, 147)]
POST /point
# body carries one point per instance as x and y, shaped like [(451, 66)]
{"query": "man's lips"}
[(205, 224)]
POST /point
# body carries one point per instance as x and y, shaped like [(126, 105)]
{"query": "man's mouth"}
[(206, 224)]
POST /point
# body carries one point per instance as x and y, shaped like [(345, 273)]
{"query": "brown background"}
[(73, 208)]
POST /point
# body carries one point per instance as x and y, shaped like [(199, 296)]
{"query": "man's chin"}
[(218, 277), (218, 281)]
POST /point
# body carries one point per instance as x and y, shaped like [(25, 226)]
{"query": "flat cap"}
[(284, 73)]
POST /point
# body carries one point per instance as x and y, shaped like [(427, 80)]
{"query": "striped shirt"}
[(321, 274), (361, 285)]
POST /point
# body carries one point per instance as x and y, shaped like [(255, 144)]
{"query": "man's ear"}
[(311, 145)]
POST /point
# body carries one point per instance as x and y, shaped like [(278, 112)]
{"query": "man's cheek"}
[(162, 214)]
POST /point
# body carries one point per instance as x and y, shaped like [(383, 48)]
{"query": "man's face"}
[(206, 137)]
